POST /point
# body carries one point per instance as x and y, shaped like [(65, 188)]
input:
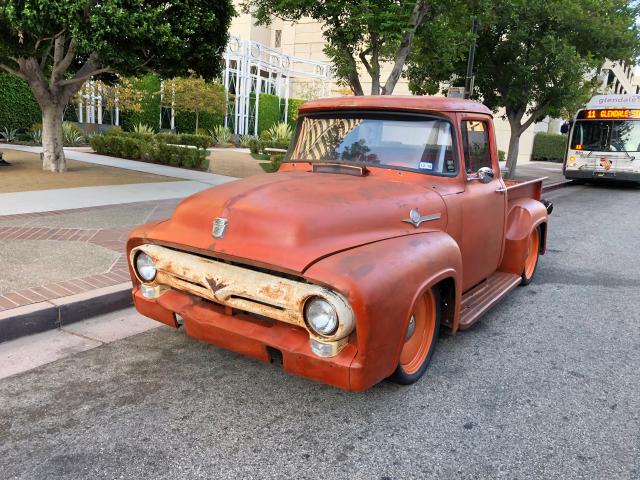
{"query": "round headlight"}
[(321, 316), (145, 267)]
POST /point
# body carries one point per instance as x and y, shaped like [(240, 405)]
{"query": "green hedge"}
[(549, 147), (186, 121), (150, 114), (200, 141), (18, 107), (149, 151), (268, 111), (292, 111)]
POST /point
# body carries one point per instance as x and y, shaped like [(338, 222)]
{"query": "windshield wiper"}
[(628, 155)]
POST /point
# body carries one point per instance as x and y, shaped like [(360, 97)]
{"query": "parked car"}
[(388, 221)]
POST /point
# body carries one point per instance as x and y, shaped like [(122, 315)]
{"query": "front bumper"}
[(254, 337)]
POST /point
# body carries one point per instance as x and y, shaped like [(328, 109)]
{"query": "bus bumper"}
[(595, 175)]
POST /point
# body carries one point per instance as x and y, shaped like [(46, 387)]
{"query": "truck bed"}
[(529, 189)]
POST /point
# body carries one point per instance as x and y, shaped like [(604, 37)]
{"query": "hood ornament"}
[(416, 219), (219, 227)]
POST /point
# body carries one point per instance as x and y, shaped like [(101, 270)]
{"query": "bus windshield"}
[(606, 135)]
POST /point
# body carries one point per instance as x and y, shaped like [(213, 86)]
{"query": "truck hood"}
[(291, 219)]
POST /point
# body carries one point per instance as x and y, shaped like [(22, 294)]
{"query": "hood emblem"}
[(416, 219), (219, 227)]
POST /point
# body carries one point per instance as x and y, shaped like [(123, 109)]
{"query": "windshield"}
[(606, 135), (416, 143)]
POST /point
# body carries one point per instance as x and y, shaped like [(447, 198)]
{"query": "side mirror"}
[(564, 128), (485, 174)]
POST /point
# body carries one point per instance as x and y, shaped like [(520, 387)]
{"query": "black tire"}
[(400, 375)]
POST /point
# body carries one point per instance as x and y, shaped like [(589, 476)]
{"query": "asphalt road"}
[(547, 385)]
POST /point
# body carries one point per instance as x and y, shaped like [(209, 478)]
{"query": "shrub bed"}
[(549, 147), (199, 141), (147, 150)]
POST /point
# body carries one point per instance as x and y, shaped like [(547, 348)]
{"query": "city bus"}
[(604, 140)]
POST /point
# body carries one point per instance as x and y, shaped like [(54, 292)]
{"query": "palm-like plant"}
[(36, 136), (144, 129), (279, 135), (71, 134), (9, 135), (221, 135), (247, 140)]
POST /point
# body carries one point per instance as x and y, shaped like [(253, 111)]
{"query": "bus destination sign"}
[(609, 114)]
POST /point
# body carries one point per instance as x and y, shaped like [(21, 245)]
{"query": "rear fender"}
[(382, 281), (524, 214)]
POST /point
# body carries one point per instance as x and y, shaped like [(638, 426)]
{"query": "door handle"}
[(501, 190)]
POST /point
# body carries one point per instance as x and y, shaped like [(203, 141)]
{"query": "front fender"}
[(382, 281), (524, 214)]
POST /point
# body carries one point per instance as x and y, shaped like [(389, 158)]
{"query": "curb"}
[(39, 317), (556, 185)]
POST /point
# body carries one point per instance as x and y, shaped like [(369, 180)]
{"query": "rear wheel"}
[(533, 253), (420, 339)]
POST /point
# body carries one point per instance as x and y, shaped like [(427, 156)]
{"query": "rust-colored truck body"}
[(393, 247)]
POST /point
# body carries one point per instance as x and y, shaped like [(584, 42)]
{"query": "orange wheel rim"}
[(532, 254), (417, 346)]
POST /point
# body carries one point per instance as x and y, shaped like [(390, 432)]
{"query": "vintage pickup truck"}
[(387, 220)]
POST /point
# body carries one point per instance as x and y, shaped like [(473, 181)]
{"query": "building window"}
[(278, 40)]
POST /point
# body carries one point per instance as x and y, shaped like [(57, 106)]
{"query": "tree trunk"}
[(197, 115), (512, 155), (52, 140)]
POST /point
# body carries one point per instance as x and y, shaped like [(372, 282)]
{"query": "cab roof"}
[(408, 103)]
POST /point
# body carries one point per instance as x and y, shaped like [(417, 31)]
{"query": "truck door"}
[(484, 205)]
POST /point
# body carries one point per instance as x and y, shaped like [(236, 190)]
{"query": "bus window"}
[(591, 136)]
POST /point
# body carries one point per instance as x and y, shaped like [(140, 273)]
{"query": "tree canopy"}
[(359, 33), (56, 45), (534, 57), (194, 94)]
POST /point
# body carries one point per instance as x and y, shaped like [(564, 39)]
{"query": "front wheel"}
[(533, 253), (420, 339)]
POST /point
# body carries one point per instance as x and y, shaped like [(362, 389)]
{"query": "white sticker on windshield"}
[(426, 166)]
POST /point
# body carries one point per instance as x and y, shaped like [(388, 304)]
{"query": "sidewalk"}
[(49, 256), (85, 197), (532, 170)]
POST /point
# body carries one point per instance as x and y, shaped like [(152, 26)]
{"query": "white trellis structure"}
[(90, 102), (252, 68)]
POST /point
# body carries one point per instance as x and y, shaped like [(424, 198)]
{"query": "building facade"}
[(304, 39)]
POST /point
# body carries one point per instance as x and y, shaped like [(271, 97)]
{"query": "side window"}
[(475, 143)]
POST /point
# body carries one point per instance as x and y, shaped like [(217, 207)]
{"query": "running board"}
[(477, 301)]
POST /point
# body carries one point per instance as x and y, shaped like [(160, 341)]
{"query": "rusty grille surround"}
[(244, 289)]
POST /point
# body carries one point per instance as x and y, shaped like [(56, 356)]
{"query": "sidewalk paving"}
[(532, 170), (97, 234), (84, 197)]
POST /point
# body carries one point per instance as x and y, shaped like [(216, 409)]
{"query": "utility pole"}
[(468, 84)]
